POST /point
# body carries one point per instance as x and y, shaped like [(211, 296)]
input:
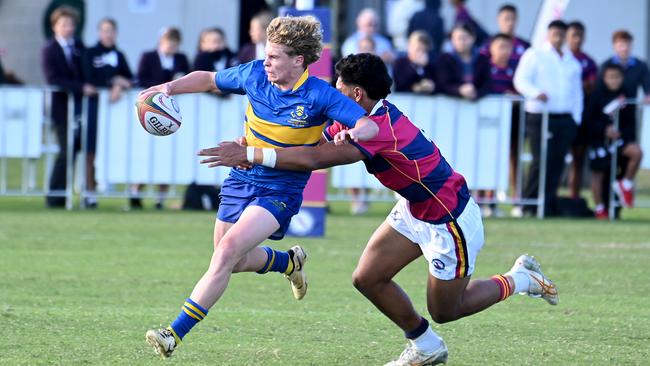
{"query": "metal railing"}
[(116, 130)]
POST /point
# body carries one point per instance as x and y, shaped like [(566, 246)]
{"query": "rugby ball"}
[(158, 114)]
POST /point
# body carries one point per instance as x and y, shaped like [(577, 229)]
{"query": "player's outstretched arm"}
[(365, 129), (327, 155), (194, 82)]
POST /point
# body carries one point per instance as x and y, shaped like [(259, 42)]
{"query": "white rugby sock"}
[(428, 342), (521, 280), (627, 184)]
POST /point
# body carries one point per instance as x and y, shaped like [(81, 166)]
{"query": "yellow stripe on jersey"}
[(282, 135)]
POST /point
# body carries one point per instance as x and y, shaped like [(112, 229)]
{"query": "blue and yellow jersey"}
[(277, 119)]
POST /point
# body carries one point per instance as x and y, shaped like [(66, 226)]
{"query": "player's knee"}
[(227, 252), (361, 280), (441, 316)]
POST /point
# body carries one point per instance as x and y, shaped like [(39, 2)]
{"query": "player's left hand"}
[(343, 136), (229, 153)]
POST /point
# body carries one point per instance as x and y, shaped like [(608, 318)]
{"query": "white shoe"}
[(162, 340), (298, 278), (540, 285), (411, 356)]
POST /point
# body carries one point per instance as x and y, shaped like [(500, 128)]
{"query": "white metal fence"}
[(474, 138)]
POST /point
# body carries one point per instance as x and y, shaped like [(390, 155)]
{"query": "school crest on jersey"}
[(299, 117)]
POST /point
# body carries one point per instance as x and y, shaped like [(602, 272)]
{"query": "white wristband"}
[(250, 154), (268, 157)]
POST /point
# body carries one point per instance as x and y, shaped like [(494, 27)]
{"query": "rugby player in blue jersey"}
[(287, 108)]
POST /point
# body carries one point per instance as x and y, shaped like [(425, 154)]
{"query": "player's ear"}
[(300, 61), (358, 94)]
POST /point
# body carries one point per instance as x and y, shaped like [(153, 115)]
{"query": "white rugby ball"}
[(159, 114)]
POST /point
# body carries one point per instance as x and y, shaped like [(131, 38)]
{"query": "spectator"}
[(156, 67), (164, 63), (507, 24), (463, 72), (430, 21), (464, 17), (502, 72), (575, 38), (257, 31), (104, 66), (603, 136), (636, 71), (61, 58), (398, 21), (415, 72), (550, 79), (367, 45), (367, 25), (7, 76), (214, 54), (502, 66)]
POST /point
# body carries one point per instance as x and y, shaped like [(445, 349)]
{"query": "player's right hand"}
[(160, 88)]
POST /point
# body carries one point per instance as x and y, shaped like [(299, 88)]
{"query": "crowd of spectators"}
[(466, 63)]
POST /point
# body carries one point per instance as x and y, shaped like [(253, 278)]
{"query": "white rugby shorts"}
[(450, 248)]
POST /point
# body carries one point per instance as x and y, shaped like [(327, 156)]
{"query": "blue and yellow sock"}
[(191, 313), (277, 261)]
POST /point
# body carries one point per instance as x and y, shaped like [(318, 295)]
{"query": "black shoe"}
[(90, 203), (54, 202), (135, 203)]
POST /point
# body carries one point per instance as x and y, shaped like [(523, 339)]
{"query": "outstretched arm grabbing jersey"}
[(232, 154)]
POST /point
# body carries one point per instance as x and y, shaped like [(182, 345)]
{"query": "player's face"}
[(350, 91), (279, 65), (107, 34), (613, 79), (64, 27), (506, 21), (623, 49), (574, 39)]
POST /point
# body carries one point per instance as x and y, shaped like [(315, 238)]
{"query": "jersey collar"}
[(302, 80), (380, 103)]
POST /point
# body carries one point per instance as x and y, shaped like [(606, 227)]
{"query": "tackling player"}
[(287, 107), (436, 217)]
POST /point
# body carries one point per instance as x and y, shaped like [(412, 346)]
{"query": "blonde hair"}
[(302, 35)]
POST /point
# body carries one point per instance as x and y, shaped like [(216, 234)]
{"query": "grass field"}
[(81, 288)]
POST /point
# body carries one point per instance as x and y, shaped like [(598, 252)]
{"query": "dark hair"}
[(557, 24), (367, 71), (507, 7), (64, 11), (577, 25), (613, 66), (464, 26), (505, 37), (171, 34), (622, 35), (110, 21)]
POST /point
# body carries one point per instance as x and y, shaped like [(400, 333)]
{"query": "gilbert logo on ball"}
[(159, 114)]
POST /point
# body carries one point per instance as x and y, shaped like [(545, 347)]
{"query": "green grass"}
[(81, 288)]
